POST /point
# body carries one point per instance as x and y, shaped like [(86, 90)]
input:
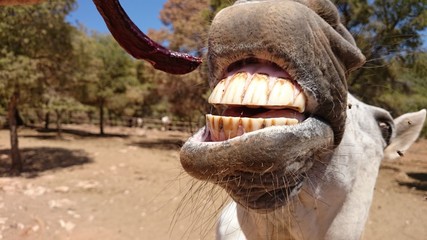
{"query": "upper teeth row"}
[(258, 90)]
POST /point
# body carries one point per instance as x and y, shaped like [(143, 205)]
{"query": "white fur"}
[(335, 200)]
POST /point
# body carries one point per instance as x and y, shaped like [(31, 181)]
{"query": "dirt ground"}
[(129, 185)]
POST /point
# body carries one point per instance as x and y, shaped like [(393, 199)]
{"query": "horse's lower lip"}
[(287, 148)]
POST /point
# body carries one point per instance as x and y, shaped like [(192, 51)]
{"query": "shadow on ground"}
[(161, 144), (37, 160), (418, 181), (45, 134)]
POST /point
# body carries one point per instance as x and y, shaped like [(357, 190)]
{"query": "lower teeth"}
[(223, 128)]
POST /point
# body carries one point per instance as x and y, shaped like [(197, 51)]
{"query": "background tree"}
[(215, 6), (115, 75), (17, 73), (387, 32), (61, 104), (149, 103), (408, 90), (18, 2), (33, 42), (187, 23), (86, 67)]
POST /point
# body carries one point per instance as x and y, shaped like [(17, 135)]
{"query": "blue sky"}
[(144, 13)]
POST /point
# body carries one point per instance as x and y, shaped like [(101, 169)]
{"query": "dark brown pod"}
[(139, 45)]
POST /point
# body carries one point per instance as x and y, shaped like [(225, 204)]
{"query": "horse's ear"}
[(408, 128)]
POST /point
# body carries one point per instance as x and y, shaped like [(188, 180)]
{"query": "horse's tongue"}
[(263, 113), (286, 113)]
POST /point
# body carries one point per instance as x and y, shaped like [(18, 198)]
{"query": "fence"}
[(83, 118), (150, 123)]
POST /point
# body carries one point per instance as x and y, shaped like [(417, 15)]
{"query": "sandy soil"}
[(132, 187)]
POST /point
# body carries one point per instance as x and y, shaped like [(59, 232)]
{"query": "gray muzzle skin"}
[(306, 39)]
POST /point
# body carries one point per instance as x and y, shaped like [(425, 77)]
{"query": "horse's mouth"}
[(264, 139), (254, 96)]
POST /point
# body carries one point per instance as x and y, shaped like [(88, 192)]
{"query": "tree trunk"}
[(70, 117), (58, 123), (101, 118), (40, 117), (110, 119), (190, 125), (46, 120), (90, 116), (16, 167)]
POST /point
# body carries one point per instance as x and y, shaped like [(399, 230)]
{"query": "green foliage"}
[(104, 69), (215, 6), (384, 30), (117, 73), (389, 34), (40, 34), (37, 29), (186, 24), (408, 91), (33, 58), (16, 74), (107, 75), (147, 95)]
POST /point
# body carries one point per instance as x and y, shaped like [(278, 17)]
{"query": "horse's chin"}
[(267, 194), (261, 170)]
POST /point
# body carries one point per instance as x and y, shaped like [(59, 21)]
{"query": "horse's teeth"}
[(292, 121), (217, 93), (234, 92), (281, 121), (252, 124), (258, 90), (223, 128), (269, 122), (229, 126), (213, 126), (281, 94), (299, 102)]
